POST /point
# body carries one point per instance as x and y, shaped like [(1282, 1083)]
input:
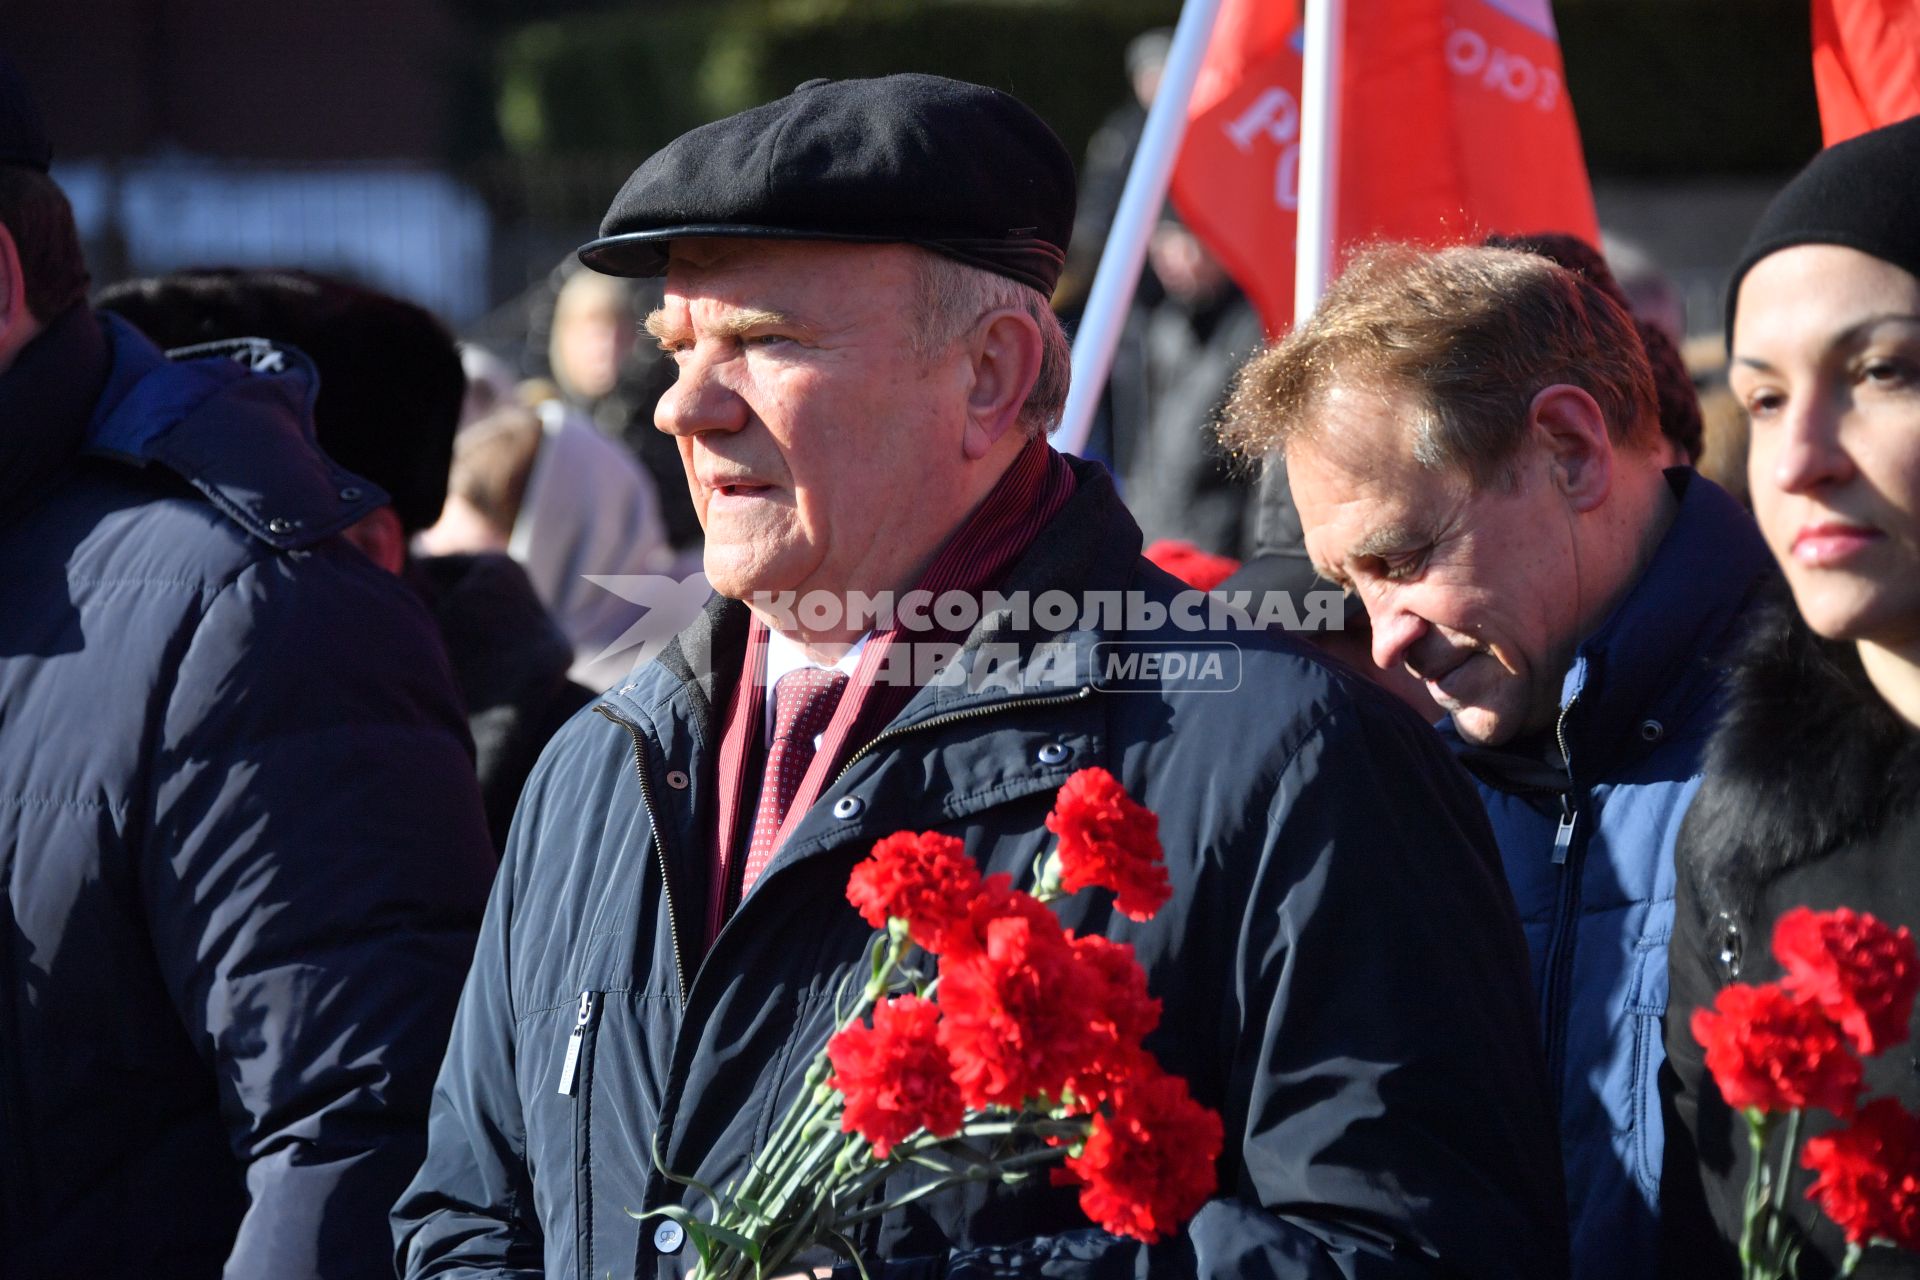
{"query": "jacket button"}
[(1652, 731), (279, 524), (669, 1236), (350, 494), (847, 808), (678, 780), (1054, 753)]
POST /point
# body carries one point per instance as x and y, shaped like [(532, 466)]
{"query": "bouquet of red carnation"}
[(1020, 1048), (1778, 1049)]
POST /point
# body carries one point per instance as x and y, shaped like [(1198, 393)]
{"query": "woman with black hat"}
[(1812, 792)]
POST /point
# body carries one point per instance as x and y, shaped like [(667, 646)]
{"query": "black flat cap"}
[(963, 170), (23, 138)]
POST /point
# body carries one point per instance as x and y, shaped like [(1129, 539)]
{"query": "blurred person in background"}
[(569, 505), (1474, 447), (1103, 172), (1177, 480), (1723, 442), (1652, 298), (1678, 403), (1812, 793), (604, 367), (242, 855), (490, 384), (391, 389)]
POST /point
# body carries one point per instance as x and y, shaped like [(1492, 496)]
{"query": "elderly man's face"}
[(823, 453), (1475, 592)]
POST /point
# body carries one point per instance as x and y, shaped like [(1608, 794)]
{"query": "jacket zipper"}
[(1566, 912), (955, 717), (582, 1020), (659, 845)]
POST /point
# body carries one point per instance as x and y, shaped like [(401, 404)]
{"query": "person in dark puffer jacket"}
[(391, 388), (242, 857)]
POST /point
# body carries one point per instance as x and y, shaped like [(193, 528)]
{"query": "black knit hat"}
[(966, 171), (23, 138), (1862, 194)]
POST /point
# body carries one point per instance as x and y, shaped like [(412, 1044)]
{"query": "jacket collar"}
[(1658, 654), (233, 419), (1808, 759), (46, 399)]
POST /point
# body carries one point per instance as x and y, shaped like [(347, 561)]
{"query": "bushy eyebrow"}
[(1387, 538), (734, 324), (1393, 537)]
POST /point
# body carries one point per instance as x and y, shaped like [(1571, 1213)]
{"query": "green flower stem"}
[(814, 1105), (973, 1173), (1759, 1126), (817, 1107), (922, 1148), (1852, 1259), (1779, 1206)]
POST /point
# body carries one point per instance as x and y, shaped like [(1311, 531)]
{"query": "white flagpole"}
[(1319, 152), (1133, 222)]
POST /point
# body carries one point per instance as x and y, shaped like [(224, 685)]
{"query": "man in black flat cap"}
[(242, 853), (856, 303)]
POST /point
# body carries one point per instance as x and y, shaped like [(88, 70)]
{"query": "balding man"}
[(1474, 446), (856, 302)]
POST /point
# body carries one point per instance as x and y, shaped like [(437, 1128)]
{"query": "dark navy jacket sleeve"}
[(317, 865), (1387, 1095), (469, 1212)]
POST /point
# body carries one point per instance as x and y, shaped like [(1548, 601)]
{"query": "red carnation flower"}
[(1201, 570), (1869, 1175), (1860, 972), (1121, 1014), (927, 880), (895, 1076), (1770, 1051), (1014, 1012), (996, 899), (1148, 1165), (1107, 839)]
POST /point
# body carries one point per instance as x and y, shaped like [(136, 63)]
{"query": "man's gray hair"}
[(953, 296)]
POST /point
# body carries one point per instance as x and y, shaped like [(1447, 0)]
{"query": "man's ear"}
[(1005, 363), (378, 533), (1567, 422)]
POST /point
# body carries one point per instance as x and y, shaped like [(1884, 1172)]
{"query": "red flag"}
[(1455, 124), (1866, 64)]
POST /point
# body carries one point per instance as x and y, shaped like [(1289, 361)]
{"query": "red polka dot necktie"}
[(803, 704)]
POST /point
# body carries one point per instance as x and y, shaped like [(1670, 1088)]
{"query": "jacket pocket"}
[(1646, 1009)]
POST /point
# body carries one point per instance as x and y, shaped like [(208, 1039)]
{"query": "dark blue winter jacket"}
[(242, 856), (1341, 973), (1588, 847)]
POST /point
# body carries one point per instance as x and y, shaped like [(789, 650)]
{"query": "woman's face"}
[(1826, 360)]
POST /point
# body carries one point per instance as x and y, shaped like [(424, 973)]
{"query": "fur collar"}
[(1808, 760)]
